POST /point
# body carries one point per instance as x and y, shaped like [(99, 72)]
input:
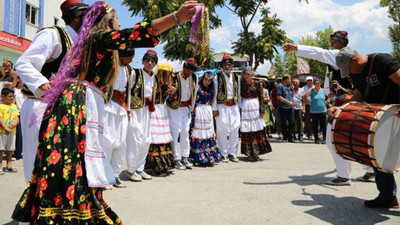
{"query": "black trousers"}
[(287, 123), (319, 119), (307, 121)]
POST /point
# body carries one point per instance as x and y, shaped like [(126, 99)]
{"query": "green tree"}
[(178, 47), (260, 47), (322, 40), (394, 30)]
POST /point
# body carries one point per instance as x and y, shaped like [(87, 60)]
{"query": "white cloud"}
[(220, 38), (263, 69)]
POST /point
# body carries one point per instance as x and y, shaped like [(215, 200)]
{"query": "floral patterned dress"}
[(252, 127), (58, 191), (160, 158), (203, 146)]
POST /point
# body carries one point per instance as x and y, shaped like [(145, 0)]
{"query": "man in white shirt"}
[(226, 110), (338, 40), (36, 66), (116, 116), (138, 136), (299, 107), (179, 108)]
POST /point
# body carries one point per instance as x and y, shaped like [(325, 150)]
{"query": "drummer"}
[(376, 78)]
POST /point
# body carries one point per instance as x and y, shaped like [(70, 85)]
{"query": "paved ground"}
[(286, 187)]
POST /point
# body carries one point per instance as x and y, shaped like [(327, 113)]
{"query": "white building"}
[(21, 19)]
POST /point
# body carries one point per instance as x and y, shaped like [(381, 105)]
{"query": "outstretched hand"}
[(187, 10), (289, 47)]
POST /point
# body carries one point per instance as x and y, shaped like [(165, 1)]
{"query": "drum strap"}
[(369, 77)]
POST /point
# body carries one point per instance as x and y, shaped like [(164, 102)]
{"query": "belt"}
[(185, 103), (230, 102), (119, 97), (150, 104)]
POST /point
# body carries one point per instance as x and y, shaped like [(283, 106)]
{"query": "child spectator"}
[(8, 122)]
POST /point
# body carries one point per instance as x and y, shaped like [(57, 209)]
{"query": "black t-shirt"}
[(383, 66)]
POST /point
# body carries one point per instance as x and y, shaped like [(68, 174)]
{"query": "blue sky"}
[(364, 20)]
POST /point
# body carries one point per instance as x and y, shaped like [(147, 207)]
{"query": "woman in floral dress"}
[(70, 166), (203, 146), (160, 158), (252, 127)]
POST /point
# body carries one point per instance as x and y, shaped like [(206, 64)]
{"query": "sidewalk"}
[(286, 187)]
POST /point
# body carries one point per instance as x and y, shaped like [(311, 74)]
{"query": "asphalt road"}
[(285, 187)]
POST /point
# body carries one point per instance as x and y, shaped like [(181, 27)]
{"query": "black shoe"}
[(293, 141), (382, 203), (317, 141), (340, 181), (323, 142), (118, 183), (368, 177)]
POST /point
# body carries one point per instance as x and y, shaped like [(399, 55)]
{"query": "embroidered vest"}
[(158, 92), (137, 91), (108, 92), (222, 91), (50, 69), (175, 101)]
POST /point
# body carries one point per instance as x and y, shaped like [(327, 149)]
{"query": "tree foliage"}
[(288, 64), (259, 47), (394, 30), (178, 47)]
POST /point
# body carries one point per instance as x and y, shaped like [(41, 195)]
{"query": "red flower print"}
[(64, 120), (57, 200), (69, 97), (51, 126), (71, 192), (150, 30), (134, 35), (43, 184), (137, 26), (83, 129), (81, 146), (115, 35), (78, 170), (99, 56), (56, 139), (68, 167), (99, 195), (54, 157), (82, 207)]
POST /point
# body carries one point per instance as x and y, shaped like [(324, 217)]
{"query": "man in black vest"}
[(36, 66), (226, 110), (179, 108)]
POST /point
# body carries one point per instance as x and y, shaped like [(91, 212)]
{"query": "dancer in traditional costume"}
[(71, 165), (160, 158), (36, 66), (179, 108), (116, 116), (203, 146), (252, 126), (226, 110), (141, 105)]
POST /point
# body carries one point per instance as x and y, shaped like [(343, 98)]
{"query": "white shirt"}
[(148, 85), (229, 85), (45, 47), (122, 79), (19, 98), (319, 54), (305, 89), (298, 99), (185, 89)]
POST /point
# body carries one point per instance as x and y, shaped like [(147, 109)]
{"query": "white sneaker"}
[(144, 175), (233, 158), (224, 159), (135, 177)]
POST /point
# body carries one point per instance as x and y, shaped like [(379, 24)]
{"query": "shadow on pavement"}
[(12, 223), (343, 210), (304, 180)]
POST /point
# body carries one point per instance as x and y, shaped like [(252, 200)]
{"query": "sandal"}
[(12, 170)]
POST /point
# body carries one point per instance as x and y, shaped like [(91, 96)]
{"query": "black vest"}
[(50, 69), (222, 90)]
